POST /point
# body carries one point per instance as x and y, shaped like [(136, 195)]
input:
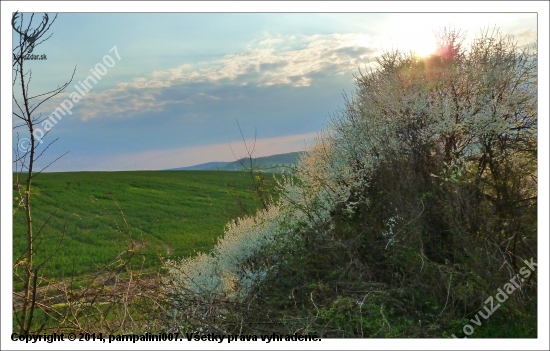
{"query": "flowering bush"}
[(232, 268), (425, 182)]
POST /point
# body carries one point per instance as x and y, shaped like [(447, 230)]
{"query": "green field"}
[(89, 218)]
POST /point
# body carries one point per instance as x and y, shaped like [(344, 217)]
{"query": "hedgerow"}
[(416, 203)]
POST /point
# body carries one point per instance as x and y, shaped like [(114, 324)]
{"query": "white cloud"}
[(280, 60)]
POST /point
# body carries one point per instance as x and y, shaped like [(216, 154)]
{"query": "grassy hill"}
[(91, 217), (273, 163)]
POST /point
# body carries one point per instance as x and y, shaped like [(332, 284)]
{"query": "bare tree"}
[(250, 165), (28, 151), (116, 287)]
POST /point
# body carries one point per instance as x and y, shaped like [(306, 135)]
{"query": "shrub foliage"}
[(417, 202)]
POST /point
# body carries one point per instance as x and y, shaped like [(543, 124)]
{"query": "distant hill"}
[(273, 163), (203, 167)]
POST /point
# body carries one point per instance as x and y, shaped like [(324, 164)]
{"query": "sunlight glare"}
[(421, 44), (413, 34)]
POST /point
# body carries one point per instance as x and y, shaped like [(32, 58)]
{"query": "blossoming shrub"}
[(448, 145), (415, 203), (228, 273)]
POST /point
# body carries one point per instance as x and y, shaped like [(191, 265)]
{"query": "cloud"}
[(282, 60)]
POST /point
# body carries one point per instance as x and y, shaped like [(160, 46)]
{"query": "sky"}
[(175, 87)]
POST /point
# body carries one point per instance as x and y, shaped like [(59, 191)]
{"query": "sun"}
[(412, 33), (422, 44)]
